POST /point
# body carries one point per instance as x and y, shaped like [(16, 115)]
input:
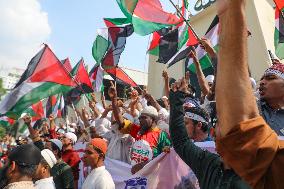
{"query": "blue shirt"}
[(274, 118)]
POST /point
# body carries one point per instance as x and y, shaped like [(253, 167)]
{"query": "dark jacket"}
[(207, 166)]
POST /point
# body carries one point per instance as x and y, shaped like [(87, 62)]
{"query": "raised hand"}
[(85, 114), (165, 75), (112, 91), (92, 104), (93, 96), (27, 119), (207, 46), (181, 85)]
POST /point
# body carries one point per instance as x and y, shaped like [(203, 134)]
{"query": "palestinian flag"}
[(38, 111), (120, 76), (174, 40), (97, 75), (55, 105), (100, 45), (44, 76), (109, 44), (61, 108), (279, 4), (117, 41), (154, 44), (6, 121), (185, 49), (155, 41), (67, 64), (147, 16), (50, 105), (168, 46), (116, 22), (182, 33), (154, 47), (212, 34), (83, 82), (279, 29), (205, 62), (82, 77)]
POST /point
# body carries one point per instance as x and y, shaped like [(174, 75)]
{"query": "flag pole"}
[(185, 20)]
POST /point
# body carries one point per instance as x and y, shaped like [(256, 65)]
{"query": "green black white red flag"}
[(147, 16), (279, 29), (44, 77)]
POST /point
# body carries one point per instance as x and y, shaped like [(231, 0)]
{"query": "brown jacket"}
[(256, 154)]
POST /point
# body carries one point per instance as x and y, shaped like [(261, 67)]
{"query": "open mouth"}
[(261, 91)]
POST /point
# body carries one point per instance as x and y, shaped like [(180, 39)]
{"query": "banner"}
[(165, 171)]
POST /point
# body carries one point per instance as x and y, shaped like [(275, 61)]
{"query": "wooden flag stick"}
[(185, 20)]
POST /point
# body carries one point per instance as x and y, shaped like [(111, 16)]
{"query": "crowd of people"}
[(246, 122)]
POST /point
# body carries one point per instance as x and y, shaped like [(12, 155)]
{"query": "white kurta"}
[(99, 178), (46, 183)]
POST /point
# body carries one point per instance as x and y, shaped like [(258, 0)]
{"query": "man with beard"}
[(208, 167), (61, 171), (246, 142), (271, 91), (43, 174), (147, 132), (19, 171), (70, 156)]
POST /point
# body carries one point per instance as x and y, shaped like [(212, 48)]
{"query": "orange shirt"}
[(255, 153)]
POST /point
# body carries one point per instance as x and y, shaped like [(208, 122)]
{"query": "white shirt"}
[(46, 183), (99, 178)]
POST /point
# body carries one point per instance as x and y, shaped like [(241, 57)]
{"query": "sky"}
[(67, 26)]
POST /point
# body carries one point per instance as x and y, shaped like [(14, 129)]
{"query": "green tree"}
[(2, 90)]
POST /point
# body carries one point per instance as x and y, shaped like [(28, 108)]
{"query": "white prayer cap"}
[(23, 115), (164, 97), (101, 125), (49, 157), (57, 142), (150, 110), (71, 136), (210, 78), (61, 131)]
